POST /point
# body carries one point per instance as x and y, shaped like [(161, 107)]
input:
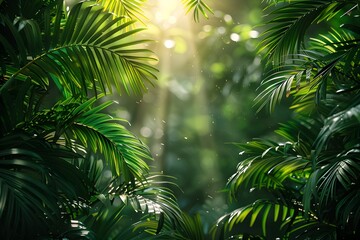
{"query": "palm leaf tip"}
[(128, 9), (198, 6)]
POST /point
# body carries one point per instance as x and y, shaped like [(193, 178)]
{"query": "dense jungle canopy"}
[(179, 119)]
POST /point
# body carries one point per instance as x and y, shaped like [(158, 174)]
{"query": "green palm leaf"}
[(344, 122), (285, 80), (150, 196), (76, 230), (199, 6), (37, 187), (338, 48), (290, 23), (267, 211), (267, 166), (131, 9), (347, 210), (294, 223), (303, 132), (189, 227), (305, 228), (321, 167), (316, 68), (150, 199), (333, 180), (103, 134), (110, 223), (90, 40)]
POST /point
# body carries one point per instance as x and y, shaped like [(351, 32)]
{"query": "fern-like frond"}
[(314, 74), (75, 229), (100, 133), (199, 6), (283, 81), (305, 228), (290, 23), (132, 9), (261, 211), (294, 223), (150, 196), (33, 173), (189, 227), (334, 178), (348, 211), (90, 40), (344, 123), (267, 165), (151, 201), (303, 132)]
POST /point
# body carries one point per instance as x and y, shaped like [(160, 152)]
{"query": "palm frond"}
[(333, 179), (338, 47), (38, 188), (111, 222), (90, 40), (96, 131), (23, 96), (320, 68), (103, 134), (150, 197), (294, 222), (343, 172), (343, 122), (50, 123), (65, 165), (18, 52), (189, 227), (290, 23), (303, 132), (260, 210), (267, 166), (305, 228), (199, 6), (132, 9), (154, 205), (286, 80), (76, 230), (347, 210), (321, 167)]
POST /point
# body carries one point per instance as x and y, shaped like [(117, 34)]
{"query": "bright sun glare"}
[(167, 11)]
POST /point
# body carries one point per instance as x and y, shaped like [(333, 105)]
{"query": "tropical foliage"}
[(68, 169), (307, 184)]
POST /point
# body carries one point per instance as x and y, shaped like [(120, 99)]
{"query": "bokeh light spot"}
[(168, 43), (235, 37)]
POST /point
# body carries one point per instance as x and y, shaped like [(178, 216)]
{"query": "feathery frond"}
[(318, 168), (131, 9), (103, 134), (90, 40), (33, 173), (267, 165), (199, 6), (290, 23)]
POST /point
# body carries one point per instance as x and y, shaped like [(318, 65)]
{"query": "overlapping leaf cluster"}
[(68, 169), (310, 181)]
